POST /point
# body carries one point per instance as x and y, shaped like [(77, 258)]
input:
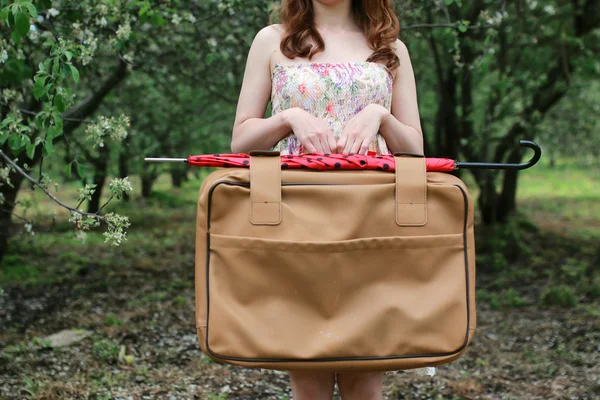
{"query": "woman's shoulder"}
[(402, 52), (270, 33), (400, 49)]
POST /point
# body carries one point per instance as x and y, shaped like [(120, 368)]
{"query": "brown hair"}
[(376, 18)]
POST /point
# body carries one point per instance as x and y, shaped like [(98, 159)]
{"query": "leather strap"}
[(411, 190), (265, 187)]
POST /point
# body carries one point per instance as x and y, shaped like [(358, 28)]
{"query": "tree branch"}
[(33, 181)]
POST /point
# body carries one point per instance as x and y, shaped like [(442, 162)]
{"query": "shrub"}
[(105, 350), (559, 295)]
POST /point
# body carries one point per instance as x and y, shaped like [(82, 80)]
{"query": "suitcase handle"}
[(265, 188), (411, 189)]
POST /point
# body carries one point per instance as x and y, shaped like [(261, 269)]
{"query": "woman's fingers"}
[(364, 147), (349, 148), (325, 144), (356, 146), (341, 144), (332, 143), (316, 142), (309, 147)]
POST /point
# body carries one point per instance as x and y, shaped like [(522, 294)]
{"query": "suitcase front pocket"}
[(372, 298)]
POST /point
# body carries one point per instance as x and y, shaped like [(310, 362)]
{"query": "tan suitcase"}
[(334, 270)]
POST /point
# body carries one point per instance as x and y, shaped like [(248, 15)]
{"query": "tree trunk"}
[(147, 182), (7, 207), (123, 165), (178, 175), (100, 169), (488, 198), (507, 203), (149, 176)]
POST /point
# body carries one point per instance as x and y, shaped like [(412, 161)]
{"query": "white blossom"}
[(53, 12), (101, 22), (34, 33), (176, 19), (124, 31), (3, 56), (81, 235), (4, 175), (28, 229), (102, 9)]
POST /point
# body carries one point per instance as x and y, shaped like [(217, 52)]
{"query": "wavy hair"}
[(376, 18)]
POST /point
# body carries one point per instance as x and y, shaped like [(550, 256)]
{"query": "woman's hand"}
[(312, 132), (361, 130)]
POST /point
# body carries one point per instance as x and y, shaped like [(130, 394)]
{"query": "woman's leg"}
[(312, 385), (360, 385)]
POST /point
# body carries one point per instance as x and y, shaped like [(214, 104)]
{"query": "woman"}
[(339, 81)]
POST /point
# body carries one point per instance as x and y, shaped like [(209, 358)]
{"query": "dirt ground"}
[(139, 312)]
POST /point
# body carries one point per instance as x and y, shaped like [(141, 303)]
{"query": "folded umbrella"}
[(326, 161)]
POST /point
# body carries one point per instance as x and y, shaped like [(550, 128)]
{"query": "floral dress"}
[(335, 92)]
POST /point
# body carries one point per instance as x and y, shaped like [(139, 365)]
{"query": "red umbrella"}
[(319, 161)]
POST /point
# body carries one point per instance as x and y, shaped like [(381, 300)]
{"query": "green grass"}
[(565, 199)]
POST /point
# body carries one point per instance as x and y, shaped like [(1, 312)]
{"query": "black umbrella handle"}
[(523, 143)]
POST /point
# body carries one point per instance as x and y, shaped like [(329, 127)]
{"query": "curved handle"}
[(523, 143)]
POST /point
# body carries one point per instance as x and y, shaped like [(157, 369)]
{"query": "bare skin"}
[(400, 127)]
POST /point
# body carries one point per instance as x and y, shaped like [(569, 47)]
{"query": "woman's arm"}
[(250, 130), (401, 128), (253, 132)]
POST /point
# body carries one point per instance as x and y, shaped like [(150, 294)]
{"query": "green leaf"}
[(38, 89), (68, 169), (74, 73), (210, 57), (48, 147), (15, 141), (16, 37), (3, 137), (144, 9), (81, 170), (32, 9), (60, 103), (53, 132), (4, 15), (22, 24), (10, 19), (58, 121), (31, 150), (462, 28), (56, 66), (157, 19)]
